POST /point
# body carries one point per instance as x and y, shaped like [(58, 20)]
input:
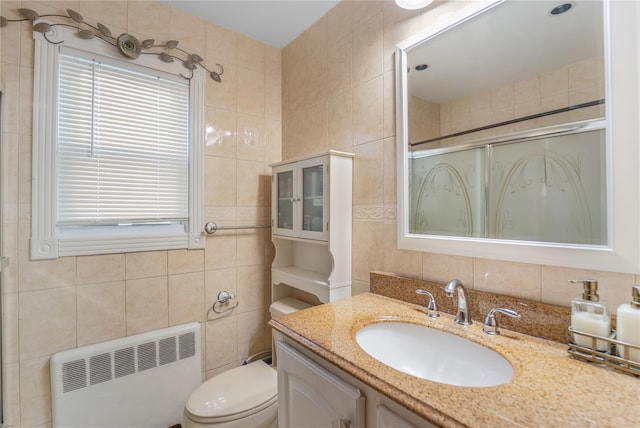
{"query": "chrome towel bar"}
[(211, 227)]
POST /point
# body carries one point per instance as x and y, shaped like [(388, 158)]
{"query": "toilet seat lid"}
[(235, 394)]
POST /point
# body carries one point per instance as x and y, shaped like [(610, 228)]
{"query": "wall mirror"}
[(516, 134)]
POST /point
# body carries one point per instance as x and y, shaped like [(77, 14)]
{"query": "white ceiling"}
[(273, 22), (516, 41)]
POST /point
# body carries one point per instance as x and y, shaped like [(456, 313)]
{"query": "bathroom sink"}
[(434, 355)]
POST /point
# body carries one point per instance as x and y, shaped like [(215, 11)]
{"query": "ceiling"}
[(515, 41), (273, 22)]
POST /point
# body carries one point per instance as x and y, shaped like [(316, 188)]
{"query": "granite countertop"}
[(549, 388)]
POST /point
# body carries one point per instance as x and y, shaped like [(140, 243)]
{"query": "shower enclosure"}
[(545, 185)]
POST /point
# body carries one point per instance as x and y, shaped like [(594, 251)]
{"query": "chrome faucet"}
[(432, 308), (463, 316), (491, 322)]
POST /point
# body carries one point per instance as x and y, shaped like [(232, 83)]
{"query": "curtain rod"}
[(512, 121)]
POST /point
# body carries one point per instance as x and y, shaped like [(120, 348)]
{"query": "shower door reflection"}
[(548, 188)]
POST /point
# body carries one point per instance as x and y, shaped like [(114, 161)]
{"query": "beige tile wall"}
[(573, 84), (423, 121), (356, 39), (49, 306)]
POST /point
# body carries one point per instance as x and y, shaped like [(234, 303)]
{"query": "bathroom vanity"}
[(548, 387), (313, 389)]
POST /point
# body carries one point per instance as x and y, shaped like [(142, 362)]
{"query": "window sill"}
[(109, 240)]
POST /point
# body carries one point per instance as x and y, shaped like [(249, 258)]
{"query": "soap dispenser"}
[(628, 325), (590, 315)]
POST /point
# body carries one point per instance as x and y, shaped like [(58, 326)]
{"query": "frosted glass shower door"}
[(550, 189), (446, 196)]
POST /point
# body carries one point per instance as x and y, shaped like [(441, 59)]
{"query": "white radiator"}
[(137, 381)]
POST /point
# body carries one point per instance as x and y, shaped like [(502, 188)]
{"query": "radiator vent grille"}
[(146, 356), (99, 368), (125, 362), (187, 345), (167, 350), (74, 375), (103, 367)]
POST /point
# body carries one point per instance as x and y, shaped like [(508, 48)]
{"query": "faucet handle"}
[(491, 323), (432, 308)]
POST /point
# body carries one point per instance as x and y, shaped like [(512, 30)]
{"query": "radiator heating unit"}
[(137, 381)]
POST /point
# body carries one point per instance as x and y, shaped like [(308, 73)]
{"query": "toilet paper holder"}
[(223, 297)]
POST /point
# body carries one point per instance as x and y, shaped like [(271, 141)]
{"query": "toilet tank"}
[(284, 306), (287, 306)]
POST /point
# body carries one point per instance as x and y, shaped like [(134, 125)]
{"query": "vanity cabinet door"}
[(309, 396), (385, 418)]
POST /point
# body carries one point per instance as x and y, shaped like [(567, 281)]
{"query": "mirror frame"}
[(622, 89)]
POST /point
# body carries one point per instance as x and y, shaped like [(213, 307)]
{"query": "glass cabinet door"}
[(285, 200), (312, 198)]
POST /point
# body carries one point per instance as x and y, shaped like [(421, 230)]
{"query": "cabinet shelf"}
[(313, 197), (306, 280)]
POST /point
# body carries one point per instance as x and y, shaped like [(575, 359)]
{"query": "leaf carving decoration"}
[(148, 43), (166, 57), (3, 21), (215, 76), (41, 27), (75, 16), (189, 65), (196, 58), (31, 15), (104, 30), (85, 34), (172, 44)]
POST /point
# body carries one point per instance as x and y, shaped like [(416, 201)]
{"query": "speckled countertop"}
[(549, 389)]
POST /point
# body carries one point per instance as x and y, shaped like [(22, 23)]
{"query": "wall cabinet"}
[(300, 200), (311, 226), (314, 393)]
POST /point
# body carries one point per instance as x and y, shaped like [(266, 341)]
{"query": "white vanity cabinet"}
[(311, 226), (314, 393), (386, 418), (310, 396)]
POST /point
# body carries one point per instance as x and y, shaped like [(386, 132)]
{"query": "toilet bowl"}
[(243, 397)]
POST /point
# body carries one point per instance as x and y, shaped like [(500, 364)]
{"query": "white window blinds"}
[(123, 144)]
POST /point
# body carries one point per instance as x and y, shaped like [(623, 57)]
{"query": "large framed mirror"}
[(517, 127)]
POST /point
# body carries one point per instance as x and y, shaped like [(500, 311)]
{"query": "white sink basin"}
[(434, 355)]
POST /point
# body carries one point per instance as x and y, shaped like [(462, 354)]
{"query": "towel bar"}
[(211, 227)]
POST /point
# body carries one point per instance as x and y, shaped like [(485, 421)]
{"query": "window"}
[(117, 153)]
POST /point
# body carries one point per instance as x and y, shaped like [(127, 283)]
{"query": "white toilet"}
[(243, 397)]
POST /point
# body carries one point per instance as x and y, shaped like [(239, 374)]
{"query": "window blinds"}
[(123, 144)]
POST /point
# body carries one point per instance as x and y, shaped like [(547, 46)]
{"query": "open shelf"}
[(305, 280)]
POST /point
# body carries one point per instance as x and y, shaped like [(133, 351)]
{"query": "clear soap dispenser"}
[(590, 315)]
